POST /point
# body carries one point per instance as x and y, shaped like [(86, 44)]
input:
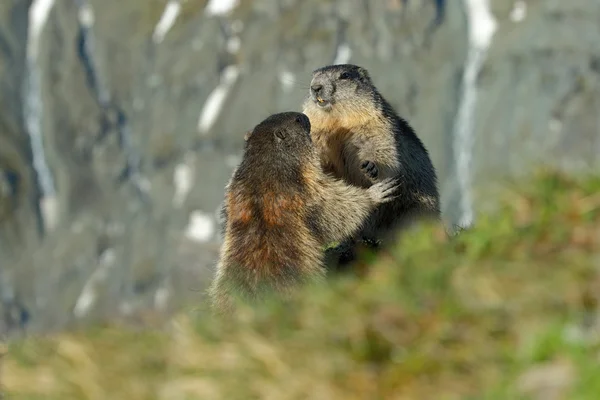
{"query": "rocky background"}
[(121, 122)]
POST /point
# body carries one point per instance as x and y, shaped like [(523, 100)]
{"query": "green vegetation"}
[(505, 310)]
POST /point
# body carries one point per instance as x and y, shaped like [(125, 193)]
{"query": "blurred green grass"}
[(505, 310)]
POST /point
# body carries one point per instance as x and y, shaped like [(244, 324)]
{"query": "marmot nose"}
[(316, 88)]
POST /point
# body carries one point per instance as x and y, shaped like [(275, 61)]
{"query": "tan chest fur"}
[(344, 143)]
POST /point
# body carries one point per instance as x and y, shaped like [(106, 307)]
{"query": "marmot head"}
[(340, 87), (279, 139)]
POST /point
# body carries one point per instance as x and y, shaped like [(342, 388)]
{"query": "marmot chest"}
[(340, 157)]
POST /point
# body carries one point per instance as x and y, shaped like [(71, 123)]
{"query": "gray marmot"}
[(362, 140), (280, 209)]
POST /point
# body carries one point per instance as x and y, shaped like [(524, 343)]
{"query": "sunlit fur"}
[(280, 209)]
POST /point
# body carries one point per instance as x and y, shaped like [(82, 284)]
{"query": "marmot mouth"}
[(322, 102)]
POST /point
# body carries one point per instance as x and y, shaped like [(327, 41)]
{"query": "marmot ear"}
[(364, 74), (247, 135), (280, 133)]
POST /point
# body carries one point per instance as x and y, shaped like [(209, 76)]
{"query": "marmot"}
[(362, 140), (280, 209)]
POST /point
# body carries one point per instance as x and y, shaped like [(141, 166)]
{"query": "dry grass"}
[(505, 310)]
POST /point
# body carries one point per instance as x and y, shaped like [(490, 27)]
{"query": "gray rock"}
[(539, 96), (126, 117)]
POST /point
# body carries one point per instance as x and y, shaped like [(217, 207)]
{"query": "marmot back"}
[(280, 209), (362, 140)]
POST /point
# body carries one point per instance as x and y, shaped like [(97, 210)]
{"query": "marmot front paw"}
[(370, 169), (384, 191)]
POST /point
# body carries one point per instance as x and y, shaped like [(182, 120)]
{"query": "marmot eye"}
[(345, 75)]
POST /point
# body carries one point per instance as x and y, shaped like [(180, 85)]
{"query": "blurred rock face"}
[(122, 121)]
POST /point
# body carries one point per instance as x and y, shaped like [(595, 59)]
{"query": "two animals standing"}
[(347, 169)]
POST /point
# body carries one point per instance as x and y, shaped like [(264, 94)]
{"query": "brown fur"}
[(356, 124), (280, 208)]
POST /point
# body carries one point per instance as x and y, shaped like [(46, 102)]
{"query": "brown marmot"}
[(280, 209), (362, 140)]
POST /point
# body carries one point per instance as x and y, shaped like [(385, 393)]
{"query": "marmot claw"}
[(370, 169)]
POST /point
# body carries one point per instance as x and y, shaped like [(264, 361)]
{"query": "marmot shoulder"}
[(280, 210), (362, 140)]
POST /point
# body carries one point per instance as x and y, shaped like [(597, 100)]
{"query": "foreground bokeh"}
[(505, 310)]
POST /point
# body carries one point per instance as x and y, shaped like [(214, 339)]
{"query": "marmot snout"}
[(340, 87)]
